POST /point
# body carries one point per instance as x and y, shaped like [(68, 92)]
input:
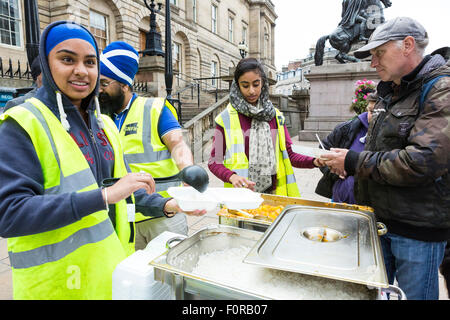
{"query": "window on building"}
[(99, 28), (244, 34), (230, 29), (10, 23), (214, 73), (177, 57), (213, 18), (194, 10), (142, 40), (173, 2), (266, 44)]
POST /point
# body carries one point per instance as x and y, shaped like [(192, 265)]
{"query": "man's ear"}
[(125, 88), (409, 45)]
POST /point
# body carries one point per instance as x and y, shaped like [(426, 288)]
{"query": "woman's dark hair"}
[(249, 64)]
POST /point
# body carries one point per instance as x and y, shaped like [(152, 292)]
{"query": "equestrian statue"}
[(359, 19)]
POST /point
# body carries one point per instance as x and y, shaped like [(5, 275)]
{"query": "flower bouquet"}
[(363, 89)]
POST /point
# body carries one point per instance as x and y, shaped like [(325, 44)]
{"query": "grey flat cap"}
[(395, 29)]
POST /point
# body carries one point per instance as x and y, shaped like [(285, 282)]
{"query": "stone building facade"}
[(205, 33)]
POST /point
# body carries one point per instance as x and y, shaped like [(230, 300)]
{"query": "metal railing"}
[(10, 73), (140, 86), (204, 85), (196, 86)]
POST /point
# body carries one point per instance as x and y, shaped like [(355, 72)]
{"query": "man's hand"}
[(335, 160)]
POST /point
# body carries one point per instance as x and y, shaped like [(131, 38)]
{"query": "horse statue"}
[(359, 19)]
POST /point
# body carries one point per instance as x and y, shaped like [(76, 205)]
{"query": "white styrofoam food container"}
[(190, 199), (310, 152), (238, 198), (134, 278)]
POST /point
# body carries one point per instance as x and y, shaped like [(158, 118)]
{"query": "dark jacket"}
[(404, 171), (24, 209), (342, 136)]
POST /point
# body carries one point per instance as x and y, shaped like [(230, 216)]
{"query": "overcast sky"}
[(301, 23)]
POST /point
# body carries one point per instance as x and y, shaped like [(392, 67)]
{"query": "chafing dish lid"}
[(333, 243)]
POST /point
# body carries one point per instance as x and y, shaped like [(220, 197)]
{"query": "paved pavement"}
[(306, 178)]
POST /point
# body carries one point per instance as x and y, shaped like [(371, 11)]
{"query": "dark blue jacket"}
[(342, 136)]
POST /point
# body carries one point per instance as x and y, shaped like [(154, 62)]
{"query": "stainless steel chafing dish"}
[(328, 242), (232, 218), (176, 265)]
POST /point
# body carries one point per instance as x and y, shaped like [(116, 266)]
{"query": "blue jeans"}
[(415, 264)]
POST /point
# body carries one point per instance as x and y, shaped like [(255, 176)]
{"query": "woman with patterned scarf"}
[(251, 146)]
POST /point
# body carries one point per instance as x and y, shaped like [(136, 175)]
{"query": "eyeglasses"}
[(105, 83)]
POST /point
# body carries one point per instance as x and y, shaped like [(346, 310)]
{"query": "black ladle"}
[(194, 175)]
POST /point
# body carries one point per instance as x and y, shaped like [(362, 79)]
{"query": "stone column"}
[(331, 94), (151, 70), (301, 97)]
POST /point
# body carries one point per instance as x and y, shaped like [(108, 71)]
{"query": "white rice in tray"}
[(226, 267)]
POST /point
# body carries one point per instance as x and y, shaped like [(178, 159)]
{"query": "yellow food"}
[(264, 210)]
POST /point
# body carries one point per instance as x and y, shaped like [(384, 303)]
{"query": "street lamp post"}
[(243, 49), (168, 56), (153, 45), (32, 29)]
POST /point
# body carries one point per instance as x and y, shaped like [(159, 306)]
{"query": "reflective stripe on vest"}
[(76, 181), (125, 230), (144, 150), (57, 251), (141, 146), (236, 159), (41, 262)]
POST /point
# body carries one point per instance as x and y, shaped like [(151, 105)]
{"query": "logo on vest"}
[(74, 280), (131, 128)]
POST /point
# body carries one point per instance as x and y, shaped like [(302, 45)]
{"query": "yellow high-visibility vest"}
[(236, 160), (75, 261), (144, 150)]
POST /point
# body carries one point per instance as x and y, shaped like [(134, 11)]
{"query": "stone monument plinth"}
[(331, 93), (151, 70)]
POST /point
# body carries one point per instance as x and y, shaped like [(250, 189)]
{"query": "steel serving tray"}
[(175, 266), (333, 243)]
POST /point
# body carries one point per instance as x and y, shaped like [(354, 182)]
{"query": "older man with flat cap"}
[(403, 173)]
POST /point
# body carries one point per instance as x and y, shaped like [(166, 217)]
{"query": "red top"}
[(215, 163)]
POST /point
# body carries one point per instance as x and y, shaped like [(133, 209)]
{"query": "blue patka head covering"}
[(119, 61), (66, 31)]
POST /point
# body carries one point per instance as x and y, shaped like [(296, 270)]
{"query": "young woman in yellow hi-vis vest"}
[(251, 146), (66, 233)]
